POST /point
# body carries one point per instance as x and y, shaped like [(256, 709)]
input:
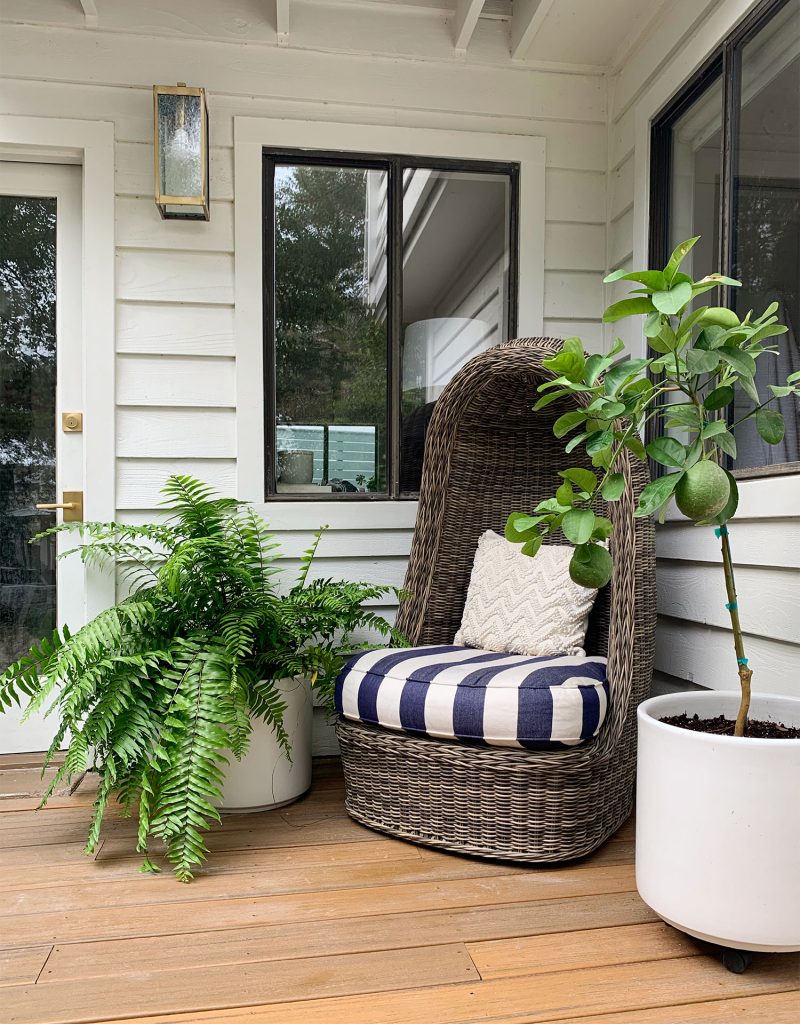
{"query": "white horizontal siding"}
[(174, 281)]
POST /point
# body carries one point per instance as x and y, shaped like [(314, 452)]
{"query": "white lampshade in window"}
[(434, 350)]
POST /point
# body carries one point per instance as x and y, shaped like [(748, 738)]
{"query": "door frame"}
[(90, 144)]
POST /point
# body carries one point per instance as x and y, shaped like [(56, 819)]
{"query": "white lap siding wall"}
[(693, 641)]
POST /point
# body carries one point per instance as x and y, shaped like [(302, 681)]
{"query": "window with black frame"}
[(726, 166), (383, 276)]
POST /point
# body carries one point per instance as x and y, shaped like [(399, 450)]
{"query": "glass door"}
[(40, 379)]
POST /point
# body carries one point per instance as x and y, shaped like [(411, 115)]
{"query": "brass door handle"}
[(72, 506)]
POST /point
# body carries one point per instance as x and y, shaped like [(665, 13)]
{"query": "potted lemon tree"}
[(718, 770)]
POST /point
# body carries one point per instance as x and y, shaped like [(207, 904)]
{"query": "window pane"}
[(27, 421), (695, 185), (766, 237), (330, 330), (456, 244)]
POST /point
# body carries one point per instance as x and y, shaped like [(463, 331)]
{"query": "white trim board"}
[(251, 135), (91, 144)]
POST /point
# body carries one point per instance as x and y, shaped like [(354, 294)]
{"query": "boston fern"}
[(156, 693), (702, 356)]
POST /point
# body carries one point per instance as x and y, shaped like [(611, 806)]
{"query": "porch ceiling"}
[(575, 34)]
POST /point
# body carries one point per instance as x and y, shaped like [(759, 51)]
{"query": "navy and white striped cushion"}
[(450, 692)]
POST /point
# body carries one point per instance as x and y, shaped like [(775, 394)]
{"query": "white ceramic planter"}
[(265, 777), (718, 823)]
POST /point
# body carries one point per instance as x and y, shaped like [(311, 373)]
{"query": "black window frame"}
[(724, 64), (393, 165)]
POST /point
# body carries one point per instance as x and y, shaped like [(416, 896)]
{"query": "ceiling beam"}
[(527, 17), (89, 8), (464, 23), (282, 21)]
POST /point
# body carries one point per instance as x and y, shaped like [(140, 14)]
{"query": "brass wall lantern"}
[(180, 129)]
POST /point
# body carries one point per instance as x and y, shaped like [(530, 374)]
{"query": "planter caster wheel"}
[(734, 960)]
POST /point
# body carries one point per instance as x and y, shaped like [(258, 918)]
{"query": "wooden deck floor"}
[(303, 916)]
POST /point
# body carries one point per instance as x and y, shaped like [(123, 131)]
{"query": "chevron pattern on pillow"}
[(521, 605)]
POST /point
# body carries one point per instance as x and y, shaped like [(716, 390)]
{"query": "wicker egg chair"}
[(488, 454)]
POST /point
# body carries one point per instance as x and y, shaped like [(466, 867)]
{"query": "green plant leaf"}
[(713, 428), (564, 494), (622, 372), (584, 479), (719, 397), (653, 280), (726, 442), (655, 494), (603, 528), (770, 425), (530, 547), (613, 487), (678, 256), (568, 364), (627, 307), (578, 525), (564, 424), (520, 527), (742, 362), (673, 300), (700, 361), (634, 444), (598, 441), (720, 316), (779, 391), (667, 451)]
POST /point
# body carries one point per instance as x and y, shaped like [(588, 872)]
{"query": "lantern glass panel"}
[(180, 145)]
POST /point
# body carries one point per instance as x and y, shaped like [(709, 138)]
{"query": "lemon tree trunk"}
[(745, 673)]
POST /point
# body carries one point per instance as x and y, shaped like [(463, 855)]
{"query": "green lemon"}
[(703, 491), (591, 566)]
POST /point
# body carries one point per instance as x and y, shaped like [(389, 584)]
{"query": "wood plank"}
[(781, 1008), (22, 966), (349, 935), (705, 655), (41, 856), (139, 224), (696, 592), (139, 481), (17, 783), (134, 889), (71, 1002), (152, 276), (563, 996), (176, 380), (576, 950), (175, 330), (575, 196), (178, 917), (85, 869), (176, 434)]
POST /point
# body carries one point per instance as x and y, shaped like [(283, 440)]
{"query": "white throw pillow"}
[(522, 605)]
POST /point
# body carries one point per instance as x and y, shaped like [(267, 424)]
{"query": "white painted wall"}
[(693, 641), (175, 350)]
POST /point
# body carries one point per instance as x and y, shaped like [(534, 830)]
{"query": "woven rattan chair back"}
[(488, 454)]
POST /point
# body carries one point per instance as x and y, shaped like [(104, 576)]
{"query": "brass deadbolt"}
[(72, 422)]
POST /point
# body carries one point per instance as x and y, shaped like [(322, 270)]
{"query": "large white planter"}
[(265, 777), (718, 823)]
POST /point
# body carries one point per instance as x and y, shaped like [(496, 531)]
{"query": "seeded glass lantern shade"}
[(181, 152)]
